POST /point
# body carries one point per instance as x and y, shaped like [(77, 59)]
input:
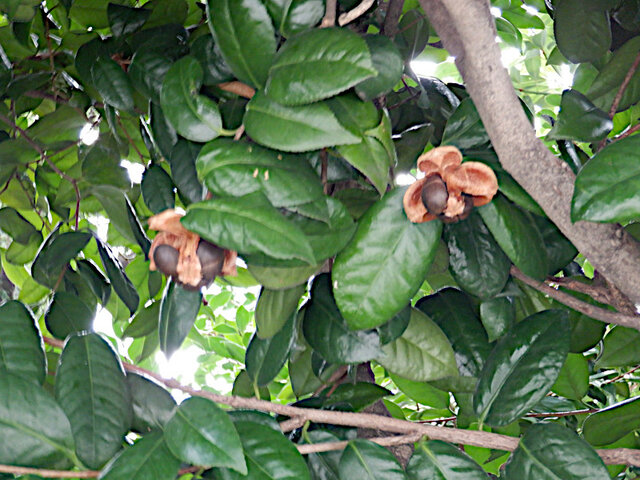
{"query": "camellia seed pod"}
[(434, 195), (166, 258)]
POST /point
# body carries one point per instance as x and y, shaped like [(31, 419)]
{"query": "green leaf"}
[(522, 367), (136, 228), (112, 83), (294, 16), (144, 321), (246, 38), (164, 134), (231, 168), (517, 235), (606, 188), (153, 406), (21, 343), (395, 327), (68, 314), (277, 278), (573, 379), (612, 423), (370, 158), (178, 311), (376, 274), (157, 189), (323, 466), (183, 170), (318, 64), (114, 202), (355, 396), (201, 433), (58, 127), (476, 261), (119, 280), (16, 226), (442, 461), (125, 20), (269, 454), (582, 29), (147, 459), (92, 390), (328, 333), (387, 62), (413, 34), (98, 283), (194, 116), (586, 332), (549, 451), (422, 392), (367, 460), (270, 123), (580, 120), (208, 54), (465, 129), (248, 224), (54, 255), (618, 348), (243, 386), (38, 428), (422, 353), (274, 307), (560, 251), (454, 313), (265, 357), (497, 316)]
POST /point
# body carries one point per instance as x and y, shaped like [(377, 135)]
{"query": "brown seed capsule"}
[(211, 260), (468, 206), (166, 258), (434, 195)]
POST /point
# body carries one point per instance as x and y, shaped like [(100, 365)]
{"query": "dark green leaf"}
[(153, 406), (366, 460), (522, 367), (164, 134), (422, 353), (376, 274), (208, 54), (54, 255), (270, 123), (573, 379), (147, 70), (112, 83), (442, 461), (618, 348), (388, 64), (323, 466), (136, 228), (68, 314), (21, 343), (582, 29), (606, 189), (60, 126), (178, 312), (586, 332), (560, 251), (125, 20), (183, 170), (395, 327), (243, 386), (38, 428), (245, 35), (144, 321), (98, 283), (92, 390), (16, 226), (464, 128), (278, 278), (355, 395), (328, 333), (612, 423), (201, 433), (549, 451), (476, 261), (497, 316), (369, 157), (114, 202), (294, 16), (274, 307), (119, 280), (413, 33), (580, 120), (422, 392), (265, 357), (157, 189)]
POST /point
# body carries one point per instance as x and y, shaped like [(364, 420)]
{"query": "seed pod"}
[(434, 195), (468, 206), (211, 260), (166, 259)]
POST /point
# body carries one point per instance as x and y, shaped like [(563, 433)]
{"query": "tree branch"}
[(329, 19), (358, 11), (391, 19), (383, 441), (467, 31), (239, 88)]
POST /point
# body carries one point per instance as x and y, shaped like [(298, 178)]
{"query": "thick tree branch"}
[(467, 31), (391, 19)]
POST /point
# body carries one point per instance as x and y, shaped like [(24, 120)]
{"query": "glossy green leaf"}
[(523, 366), (422, 392), (395, 327), (246, 38), (243, 386), (517, 235), (497, 316), (114, 202), (98, 283), (586, 332), (147, 71), (454, 313), (387, 62), (38, 428), (376, 274), (248, 224), (367, 460), (580, 120), (194, 116), (265, 357), (442, 461), (582, 29), (164, 134), (21, 343), (612, 423), (136, 228), (112, 83), (92, 390), (148, 459), (476, 261), (325, 465), (560, 251), (356, 396), (369, 157), (422, 353), (413, 33), (618, 348), (606, 189), (68, 314), (269, 454), (201, 433), (276, 278), (157, 189), (274, 307), (119, 280), (549, 451), (294, 16), (573, 379), (144, 321), (270, 123), (16, 226), (125, 20), (318, 64), (54, 255), (464, 128), (355, 115), (208, 54), (178, 311), (328, 333), (183, 170), (153, 406), (231, 168)]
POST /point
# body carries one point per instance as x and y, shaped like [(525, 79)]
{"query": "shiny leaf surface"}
[(178, 312)]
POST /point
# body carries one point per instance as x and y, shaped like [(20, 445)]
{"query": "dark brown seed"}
[(211, 259), (434, 195), (166, 258), (468, 206)]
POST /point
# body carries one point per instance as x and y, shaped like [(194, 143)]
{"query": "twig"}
[(239, 132), (329, 19), (562, 414), (239, 88), (131, 142), (367, 420), (323, 171), (602, 314), (622, 375), (358, 11), (292, 424), (46, 473), (602, 292), (391, 19), (383, 441), (632, 130)]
